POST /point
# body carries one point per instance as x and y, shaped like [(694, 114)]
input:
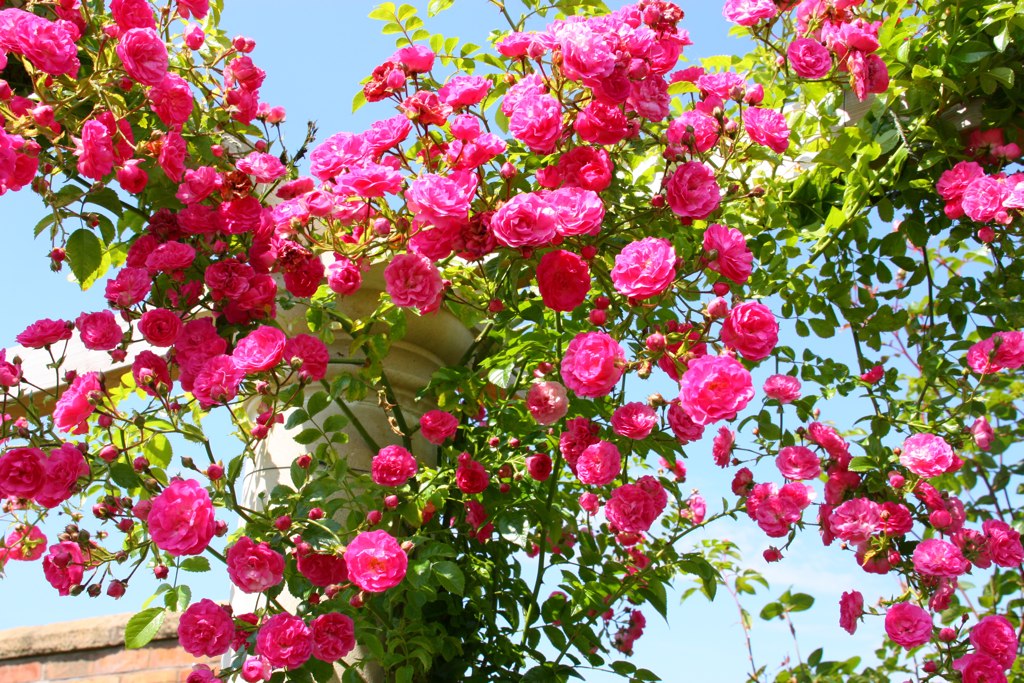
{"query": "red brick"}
[(24, 672), (167, 656), (158, 676)]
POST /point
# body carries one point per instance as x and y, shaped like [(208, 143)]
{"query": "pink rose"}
[(798, 463), (715, 388), (645, 268), (254, 567), (442, 201), (634, 420), (312, 354), (927, 455), (684, 429), (24, 544), (776, 510), (563, 279), (64, 467), (751, 329), (43, 333), (1003, 543), (537, 122), (586, 167), (982, 433), (10, 373), (634, 507), (851, 609), (218, 381), (181, 520), (767, 127), (64, 566), (995, 637), (908, 625), (206, 629), (722, 445), (160, 327), (413, 281), (171, 100), (464, 91), (728, 253), (129, 287), (99, 331), (782, 388), (376, 562), (393, 466), (592, 364), (692, 191), (935, 557), (151, 373), (265, 168), (437, 426), (599, 464), (144, 55), (471, 476), (1001, 351), (132, 14), (344, 276), (602, 123), (749, 12), (855, 520), (75, 405), (285, 641), (579, 211), (95, 150), (809, 58), (976, 667), (525, 220), (260, 350), (48, 45), (539, 466), (547, 402), (322, 569), (695, 131), (333, 636), (22, 472)]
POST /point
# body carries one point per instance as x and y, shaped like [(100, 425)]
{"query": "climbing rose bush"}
[(546, 224)]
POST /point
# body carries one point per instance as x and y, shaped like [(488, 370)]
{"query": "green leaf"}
[(142, 627), (307, 436), (771, 611), (435, 7), (158, 450), (85, 256), (195, 564), (450, 576), (800, 602), (383, 12), (123, 475)]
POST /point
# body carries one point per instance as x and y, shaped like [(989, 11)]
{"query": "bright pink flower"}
[(692, 191), (908, 625), (938, 558), (437, 426), (48, 45), (586, 167), (722, 445), (829, 439), (983, 434), (322, 569), (809, 58), (895, 519), (634, 507), (994, 636), (254, 567), (413, 281), (151, 373), (22, 472), (537, 122), (181, 520), (99, 331), (525, 220), (172, 154), (732, 259), (43, 333), (265, 168), (23, 545), (131, 177), (260, 350), (415, 58), (927, 455), (694, 130), (579, 433), (464, 91), (75, 405), (170, 257), (776, 510), (547, 402), (976, 667), (393, 466), (339, 152), (205, 629), (767, 127), (684, 429), (197, 8), (855, 520), (64, 467), (592, 364), (563, 279), (538, 466), (1001, 351), (471, 476), (64, 566), (579, 211), (748, 12), (1003, 543), (218, 381), (798, 463), (344, 276), (95, 150), (172, 100), (375, 560), (599, 464), (160, 327), (751, 329), (311, 352), (851, 609), (782, 388), (634, 420), (645, 268), (285, 641), (715, 388), (426, 108), (333, 636), (144, 55)]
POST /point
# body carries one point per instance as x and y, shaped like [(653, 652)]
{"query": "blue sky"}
[(315, 52)]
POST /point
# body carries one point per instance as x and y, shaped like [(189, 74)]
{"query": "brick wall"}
[(92, 651)]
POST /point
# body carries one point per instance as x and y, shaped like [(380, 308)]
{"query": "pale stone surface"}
[(84, 634)]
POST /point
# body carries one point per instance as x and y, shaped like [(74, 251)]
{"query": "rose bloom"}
[(855, 520), (22, 472), (547, 402), (437, 426), (1001, 351), (144, 55), (538, 466), (798, 463), (285, 641), (851, 609), (767, 127), (634, 420), (1003, 543), (908, 625), (206, 629), (751, 329), (344, 276), (732, 258), (23, 545), (322, 569), (715, 388), (73, 408), (696, 131), (393, 466), (260, 350), (749, 12), (927, 455), (43, 333), (151, 373), (64, 566), (645, 268), (471, 476), (64, 467), (722, 445), (99, 331), (782, 388), (692, 191), (975, 667), (599, 464), (579, 433), (809, 58), (181, 520), (935, 557), (254, 567), (563, 279), (592, 364), (525, 220), (995, 637), (376, 562), (982, 433), (312, 353), (684, 429), (634, 507), (413, 281), (333, 636), (160, 327)]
